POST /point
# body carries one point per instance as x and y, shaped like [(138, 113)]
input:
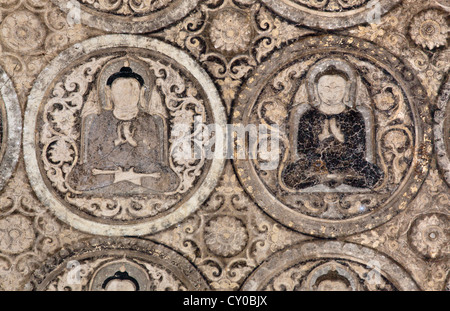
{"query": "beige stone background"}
[(33, 32)]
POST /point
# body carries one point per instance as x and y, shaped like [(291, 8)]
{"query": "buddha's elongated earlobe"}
[(156, 105), (346, 100), (142, 101), (348, 96), (108, 101), (301, 96)]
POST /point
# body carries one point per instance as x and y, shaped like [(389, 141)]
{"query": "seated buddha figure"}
[(331, 137), (123, 144)]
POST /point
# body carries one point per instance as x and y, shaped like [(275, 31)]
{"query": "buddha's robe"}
[(331, 145), (133, 147)]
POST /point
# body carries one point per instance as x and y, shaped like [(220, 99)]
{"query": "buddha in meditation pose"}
[(123, 144), (331, 136)]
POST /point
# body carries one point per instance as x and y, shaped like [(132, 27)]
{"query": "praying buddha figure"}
[(123, 143), (331, 134)]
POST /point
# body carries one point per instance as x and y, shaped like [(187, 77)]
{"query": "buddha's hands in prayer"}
[(331, 126)]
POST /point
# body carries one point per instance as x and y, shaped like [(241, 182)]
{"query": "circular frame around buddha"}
[(91, 54), (338, 19), (11, 128), (442, 130), (87, 264), (330, 255), (136, 22), (271, 195)]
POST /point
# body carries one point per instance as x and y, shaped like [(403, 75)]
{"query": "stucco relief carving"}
[(354, 141), (117, 265), (110, 137), (328, 266), (10, 128), (429, 29), (330, 14), (356, 90), (442, 130), (127, 16)]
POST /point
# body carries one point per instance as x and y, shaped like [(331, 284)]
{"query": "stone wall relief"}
[(29, 233), (313, 95), (332, 138), (332, 14), (418, 237), (32, 33), (231, 237), (107, 141), (117, 265), (420, 41), (127, 16), (10, 128), (442, 130), (329, 266), (230, 38)]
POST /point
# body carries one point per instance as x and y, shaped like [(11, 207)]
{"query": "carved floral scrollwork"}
[(126, 16), (239, 39), (126, 7), (60, 147), (164, 177), (23, 32), (389, 137), (228, 237), (221, 239), (429, 29), (28, 233), (92, 265), (305, 267), (441, 129), (332, 5), (59, 135)]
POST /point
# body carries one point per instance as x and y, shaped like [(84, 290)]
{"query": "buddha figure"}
[(123, 145), (331, 134), (121, 282)]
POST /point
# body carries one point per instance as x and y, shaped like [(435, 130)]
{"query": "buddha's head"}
[(333, 285), (332, 281), (124, 92), (332, 85), (331, 89), (121, 281)]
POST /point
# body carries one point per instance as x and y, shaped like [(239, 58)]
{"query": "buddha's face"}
[(331, 89), (120, 286), (333, 285), (126, 93)]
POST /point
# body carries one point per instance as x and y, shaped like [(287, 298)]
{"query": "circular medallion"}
[(117, 265), (231, 31), (10, 128), (342, 145), (23, 32), (330, 14), (126, 16), (329, 266), (226, 236), (110, 138), (429, 29), (442, 130)]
